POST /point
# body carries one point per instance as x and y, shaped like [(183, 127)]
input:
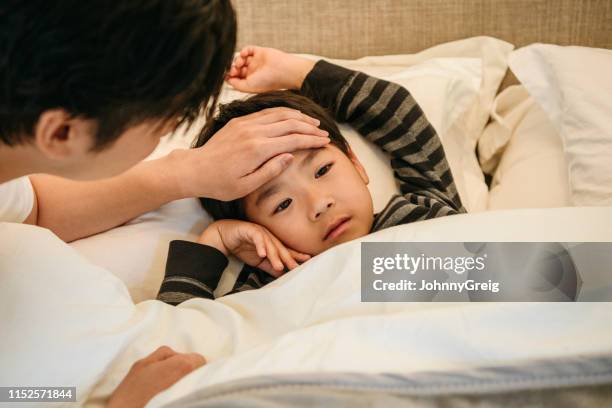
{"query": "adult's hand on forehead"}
[(246, 153)]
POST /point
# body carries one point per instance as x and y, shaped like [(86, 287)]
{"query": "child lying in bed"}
[(321, 199)]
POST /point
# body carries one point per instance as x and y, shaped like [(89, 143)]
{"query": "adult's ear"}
[(58, 136), (358, 166)]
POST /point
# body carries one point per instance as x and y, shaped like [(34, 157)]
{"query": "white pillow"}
[(574, 86), (446, 89), (136, 252), (508, 110), (532, 171), (455, 93)]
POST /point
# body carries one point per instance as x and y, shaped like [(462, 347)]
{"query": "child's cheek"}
[(295, 237)]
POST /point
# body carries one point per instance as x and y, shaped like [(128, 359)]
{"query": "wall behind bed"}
[(355, 28)]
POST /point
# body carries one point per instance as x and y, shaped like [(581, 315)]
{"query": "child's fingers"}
[(272, 255), (237, 83), (257, 238), (243, 71), (233, 71), (267, 267), (286, 257), (239, 61), (237, 66), (299, 256), (248, 50)]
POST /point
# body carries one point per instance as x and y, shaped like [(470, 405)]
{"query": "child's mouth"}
[(337, 228)]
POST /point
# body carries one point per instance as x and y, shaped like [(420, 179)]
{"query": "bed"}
[(514, 149)]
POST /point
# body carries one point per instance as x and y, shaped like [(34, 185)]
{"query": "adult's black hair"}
[(119, 62), (235, 209)]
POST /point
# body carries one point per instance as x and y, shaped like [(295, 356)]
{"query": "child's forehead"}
[(301, 159), (305, 157), (303, 153), (300, 155)]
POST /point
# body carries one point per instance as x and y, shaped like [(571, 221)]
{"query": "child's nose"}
[(321, 206)]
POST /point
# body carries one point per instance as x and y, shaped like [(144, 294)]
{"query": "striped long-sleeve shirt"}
[(384, 113)]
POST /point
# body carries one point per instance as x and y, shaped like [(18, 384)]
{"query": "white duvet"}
[(76, 324)]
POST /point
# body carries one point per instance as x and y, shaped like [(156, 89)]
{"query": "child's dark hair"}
[(235, 209), (118, 62)]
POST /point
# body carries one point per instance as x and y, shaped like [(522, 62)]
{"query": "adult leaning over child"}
[(88, 88)]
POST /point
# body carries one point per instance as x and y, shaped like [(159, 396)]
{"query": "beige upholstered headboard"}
[(354, 28)]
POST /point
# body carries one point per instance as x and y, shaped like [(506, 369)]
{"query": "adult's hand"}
[(152, 375), (246, 153)]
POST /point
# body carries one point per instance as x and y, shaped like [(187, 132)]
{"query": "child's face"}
[(320, 201)]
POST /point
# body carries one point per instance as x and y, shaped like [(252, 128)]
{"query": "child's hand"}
[(252, 244), (259, 69)]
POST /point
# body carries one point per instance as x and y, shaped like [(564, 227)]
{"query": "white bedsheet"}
[(76, 325)]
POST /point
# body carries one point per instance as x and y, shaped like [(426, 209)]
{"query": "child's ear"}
[(358, 166)]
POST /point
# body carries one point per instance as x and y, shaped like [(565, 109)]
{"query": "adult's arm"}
[(242, 156), (77, 209)]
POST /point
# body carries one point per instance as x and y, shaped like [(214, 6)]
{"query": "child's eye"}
[(283, 206), (323, 170)]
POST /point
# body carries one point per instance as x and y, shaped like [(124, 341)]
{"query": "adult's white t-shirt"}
[(16, 200)]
